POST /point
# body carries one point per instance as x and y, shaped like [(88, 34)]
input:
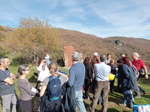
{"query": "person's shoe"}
[(137, 96), (143, 92), (130, 106), (123, 104)]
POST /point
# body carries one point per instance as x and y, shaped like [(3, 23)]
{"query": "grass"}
[(114, 99)]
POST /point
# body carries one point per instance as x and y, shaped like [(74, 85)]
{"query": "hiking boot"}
[(137, 96), (123, 104)]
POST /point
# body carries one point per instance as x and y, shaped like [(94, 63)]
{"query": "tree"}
[(31, 38)]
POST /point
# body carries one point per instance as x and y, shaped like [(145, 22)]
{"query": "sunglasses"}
[(27, 69)]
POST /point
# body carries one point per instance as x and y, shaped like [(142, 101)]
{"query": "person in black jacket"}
[(113, 71), (88, 76), (129, 82)]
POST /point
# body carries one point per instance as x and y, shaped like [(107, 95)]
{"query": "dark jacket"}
[(113, 69), (88, 73), (68, 100), (129, 78)]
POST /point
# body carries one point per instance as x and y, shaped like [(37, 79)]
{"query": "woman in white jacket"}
[(43, 72)]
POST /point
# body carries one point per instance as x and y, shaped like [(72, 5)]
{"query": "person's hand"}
[(43, 61), (91, 80), (12, 76), (146, 76)]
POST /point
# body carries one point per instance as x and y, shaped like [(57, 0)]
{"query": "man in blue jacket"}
[(76, 79)]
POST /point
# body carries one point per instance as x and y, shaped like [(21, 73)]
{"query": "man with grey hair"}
[(139, 64), (76, 79), (7, 90), (102, 84)]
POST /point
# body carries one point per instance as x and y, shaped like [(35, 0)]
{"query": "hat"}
[(95, 54), (47, 56)]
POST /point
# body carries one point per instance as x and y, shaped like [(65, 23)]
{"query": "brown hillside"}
[(88, 44)]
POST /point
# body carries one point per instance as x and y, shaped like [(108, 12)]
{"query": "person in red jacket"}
[(138, 63)]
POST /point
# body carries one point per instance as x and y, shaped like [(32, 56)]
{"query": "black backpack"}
[(141, 71)]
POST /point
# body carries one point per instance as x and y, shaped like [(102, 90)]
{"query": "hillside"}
[(88, 44)]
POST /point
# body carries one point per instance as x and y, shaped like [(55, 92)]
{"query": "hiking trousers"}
[(7, 100), (100, 87)]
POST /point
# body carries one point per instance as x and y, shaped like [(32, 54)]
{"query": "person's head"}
[(45, 51), (95, 54), (53, 68), (111, 62), (135, 56), (126, 61), (23, 70), (102, 58), (123, 55), (4, 62), (108, 56), (75, 56), (87, 61)]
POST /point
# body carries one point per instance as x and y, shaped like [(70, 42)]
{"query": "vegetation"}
[(2, 28), (114, 99), (31, 38)]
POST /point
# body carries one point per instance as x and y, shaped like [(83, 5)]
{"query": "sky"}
[(103, 18)]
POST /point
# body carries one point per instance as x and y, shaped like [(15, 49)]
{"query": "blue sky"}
[(103, 18)]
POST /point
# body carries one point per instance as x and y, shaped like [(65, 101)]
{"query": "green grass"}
[(114, 99)]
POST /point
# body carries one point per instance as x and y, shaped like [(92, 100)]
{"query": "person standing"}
[(119, 64), (26, 90), (7, 89), (128, 83), (88, 76), (108, 59), (43, 72), (51, 90), (113, 71), (76, 79), (102, 84), (47, 57), (138, 63)]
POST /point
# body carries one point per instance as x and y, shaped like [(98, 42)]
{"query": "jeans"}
[(128, 95), (79, 100)]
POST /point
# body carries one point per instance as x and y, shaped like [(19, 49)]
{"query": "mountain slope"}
[(88, 44)]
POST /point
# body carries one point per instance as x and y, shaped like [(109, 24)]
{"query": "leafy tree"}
[(31, 38)]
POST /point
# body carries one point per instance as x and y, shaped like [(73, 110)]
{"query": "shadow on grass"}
[(87, 105), (115, 100), (146, 96), (113, 110)]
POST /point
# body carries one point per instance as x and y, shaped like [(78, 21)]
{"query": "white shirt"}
[(42, 74), (108, 61), (101, 71)]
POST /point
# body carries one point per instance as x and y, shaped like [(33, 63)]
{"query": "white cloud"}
[(107, 18)]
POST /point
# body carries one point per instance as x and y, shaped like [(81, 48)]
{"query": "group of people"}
[(51, 83)]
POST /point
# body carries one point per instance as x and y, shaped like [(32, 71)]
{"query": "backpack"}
[(135, 70), (141, 71), (54, 88)]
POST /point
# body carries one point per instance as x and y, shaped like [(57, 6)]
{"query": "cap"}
[(95, 54)]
